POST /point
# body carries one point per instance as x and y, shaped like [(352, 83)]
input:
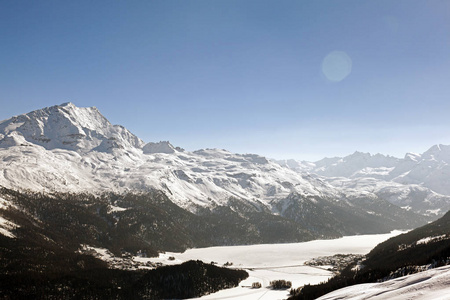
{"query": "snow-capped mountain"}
[(428, 169), (65, 148), (431, 169), (66, 127), (347, 166), (417, 182), (71, 149)]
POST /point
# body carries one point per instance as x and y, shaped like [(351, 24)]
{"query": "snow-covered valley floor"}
[(265, 263)]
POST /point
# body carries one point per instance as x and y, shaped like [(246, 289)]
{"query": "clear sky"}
[(285, 79)]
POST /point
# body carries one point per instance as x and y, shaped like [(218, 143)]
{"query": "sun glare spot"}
[(336, 66)]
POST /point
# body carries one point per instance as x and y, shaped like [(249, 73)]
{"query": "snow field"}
[(269, 262), (5, 225), (431, 284)]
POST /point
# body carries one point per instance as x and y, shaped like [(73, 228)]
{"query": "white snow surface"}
[(6, 226), (113, 209), (205, 177), (430, 284), (431, 239), (101, 253), (5, 204), (269, 262)]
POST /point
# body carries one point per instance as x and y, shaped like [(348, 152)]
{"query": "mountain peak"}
[(66, 126), (412, 157), (358, 155), (161, 147), (69, 104), (438, 153)]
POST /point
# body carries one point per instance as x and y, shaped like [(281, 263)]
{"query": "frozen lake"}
[(268, 262)]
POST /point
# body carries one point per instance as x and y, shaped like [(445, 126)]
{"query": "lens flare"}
[(336, 66)]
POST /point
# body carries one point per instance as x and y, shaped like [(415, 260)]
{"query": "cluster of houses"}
[(335, 263)]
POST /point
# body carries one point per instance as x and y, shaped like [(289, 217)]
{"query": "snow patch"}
[(113, 209), (5, 204), (6, 227), (431, 239), (101, 253), (431, 284), (126, 262), (433, 211)]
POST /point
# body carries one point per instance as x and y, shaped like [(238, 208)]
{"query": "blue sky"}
[(285, 79)]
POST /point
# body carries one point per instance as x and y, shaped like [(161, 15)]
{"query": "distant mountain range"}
[(428, 169), (70, 180), (418, 181), (65, 148)]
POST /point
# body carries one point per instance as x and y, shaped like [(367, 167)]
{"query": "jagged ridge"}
[(69, 149)]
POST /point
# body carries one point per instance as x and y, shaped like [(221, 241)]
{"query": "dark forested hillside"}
[(53, 237), (188, 280), (147, 222), (397, 256), (44, 255)]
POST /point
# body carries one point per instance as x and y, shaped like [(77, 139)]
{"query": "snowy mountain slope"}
[(348, 166), (431, 284), (348, 215), (416, 182), (70, 149), (66, 127), (417, 250), (206, 177), (412, 197), (428, 169), (431, 169)]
